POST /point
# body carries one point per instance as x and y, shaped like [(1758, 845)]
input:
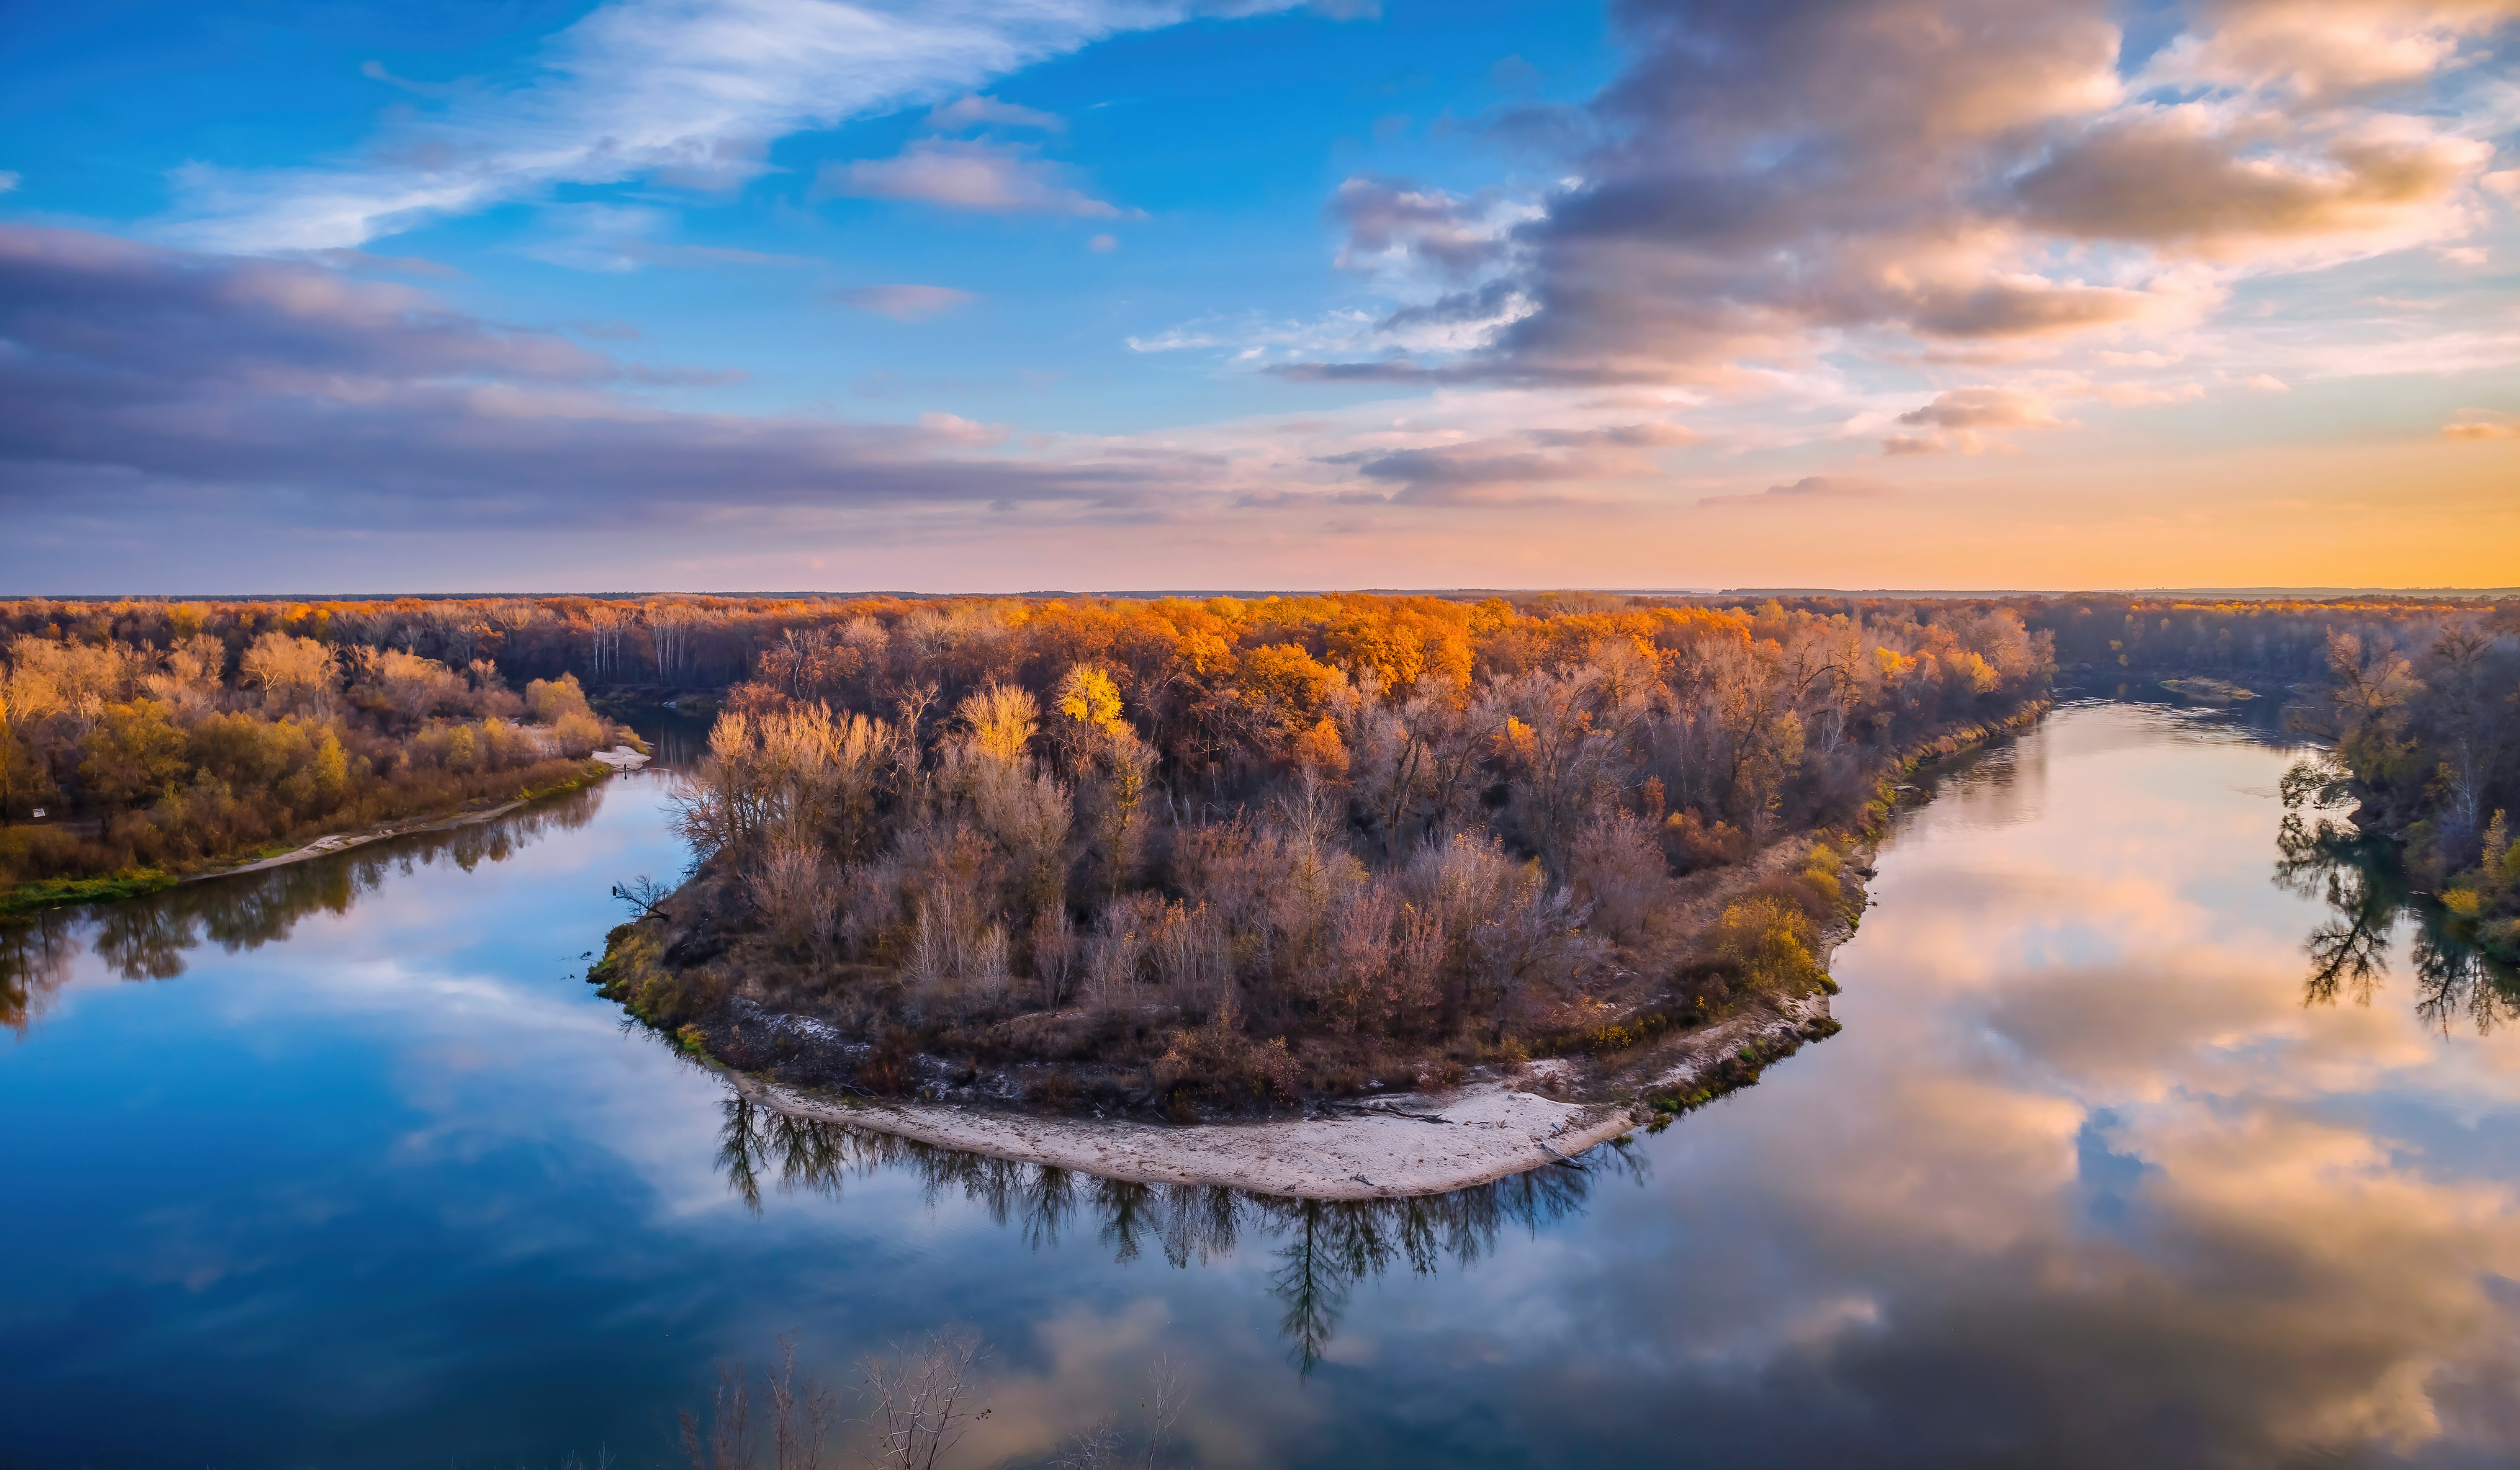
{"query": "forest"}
[(1245, 842), (2424, 720), (1258, 849), (142, 741)]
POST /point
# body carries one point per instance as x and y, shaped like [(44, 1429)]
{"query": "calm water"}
[(345, 1166)]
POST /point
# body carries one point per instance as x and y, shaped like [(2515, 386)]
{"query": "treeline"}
[(709, 642), (1279, 823), (2273, 641), (689, 642), (147, 755), (2425, 720)]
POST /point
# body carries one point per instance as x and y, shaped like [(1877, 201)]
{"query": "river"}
[(344, 1165)]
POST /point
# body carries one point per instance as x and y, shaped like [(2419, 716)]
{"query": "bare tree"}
[(803, 1414), (1102, 1446), (923, 1399), (644, 895), (799, 1426), (728, 1443)]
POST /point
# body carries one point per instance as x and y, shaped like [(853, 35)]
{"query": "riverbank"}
[(618, 758), (1405, 1144), (28, 898)]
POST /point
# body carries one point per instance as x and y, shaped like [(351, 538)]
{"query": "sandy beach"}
[(1411, 1144)]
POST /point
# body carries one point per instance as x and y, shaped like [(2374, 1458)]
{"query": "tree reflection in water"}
[(1324, 1247), (147, 938), (2365, 885)]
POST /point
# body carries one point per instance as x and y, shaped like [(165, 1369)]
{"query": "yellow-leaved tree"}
[(1087, 696)]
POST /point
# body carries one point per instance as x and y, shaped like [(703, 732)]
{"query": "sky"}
[(325, 295)]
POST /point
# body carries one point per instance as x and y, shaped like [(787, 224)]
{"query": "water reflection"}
[(2083, 1183), (149, 938), (1325, 1248), (2362, 881)]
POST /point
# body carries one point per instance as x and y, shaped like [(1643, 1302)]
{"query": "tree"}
[(1091, 701), (923, 1398), (1004, 716), (289, 670), (135, 754)]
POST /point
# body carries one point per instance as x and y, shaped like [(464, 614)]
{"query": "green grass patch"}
[(53, 893)]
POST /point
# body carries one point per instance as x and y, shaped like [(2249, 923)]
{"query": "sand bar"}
[(1377, 1151)]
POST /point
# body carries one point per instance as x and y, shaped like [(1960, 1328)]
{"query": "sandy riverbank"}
[(1419, 1143)]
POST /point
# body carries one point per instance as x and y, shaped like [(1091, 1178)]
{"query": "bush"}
[(1691, 842), (1768, 941), (1218, 1063), (630, 973)]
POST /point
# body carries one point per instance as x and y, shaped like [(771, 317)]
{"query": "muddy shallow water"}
[(343, 1163)]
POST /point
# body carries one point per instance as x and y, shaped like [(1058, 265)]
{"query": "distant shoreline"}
[(618, 758)]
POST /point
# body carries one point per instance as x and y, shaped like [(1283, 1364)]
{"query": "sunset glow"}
[(999, 295)]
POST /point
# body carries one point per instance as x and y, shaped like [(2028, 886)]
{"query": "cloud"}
[(618, 238), (1391, 223), (976, 111), (401, 265), (906, 304), (1770, 181), (1984, 408), (8, 181), (2478, 424), (1498, 471), (1103, 244), (1809, 488), (376, 71), (1625, 435), (964, 176), (2180, 177), (170, 383), (688, 93), (2323, 50), (1959, 419)]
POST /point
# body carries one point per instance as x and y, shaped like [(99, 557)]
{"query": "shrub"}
[(1220, 1064), (1768, 942), (1691, 842)]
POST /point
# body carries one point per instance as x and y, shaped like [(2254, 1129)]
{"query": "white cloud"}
[(684, 92), (966, 176), (976, 111), (8, 181), (624, 238)]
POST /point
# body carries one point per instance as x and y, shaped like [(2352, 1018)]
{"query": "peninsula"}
[(1390, 893)]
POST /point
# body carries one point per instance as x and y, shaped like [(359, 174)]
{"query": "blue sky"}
[(1126, 293)]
